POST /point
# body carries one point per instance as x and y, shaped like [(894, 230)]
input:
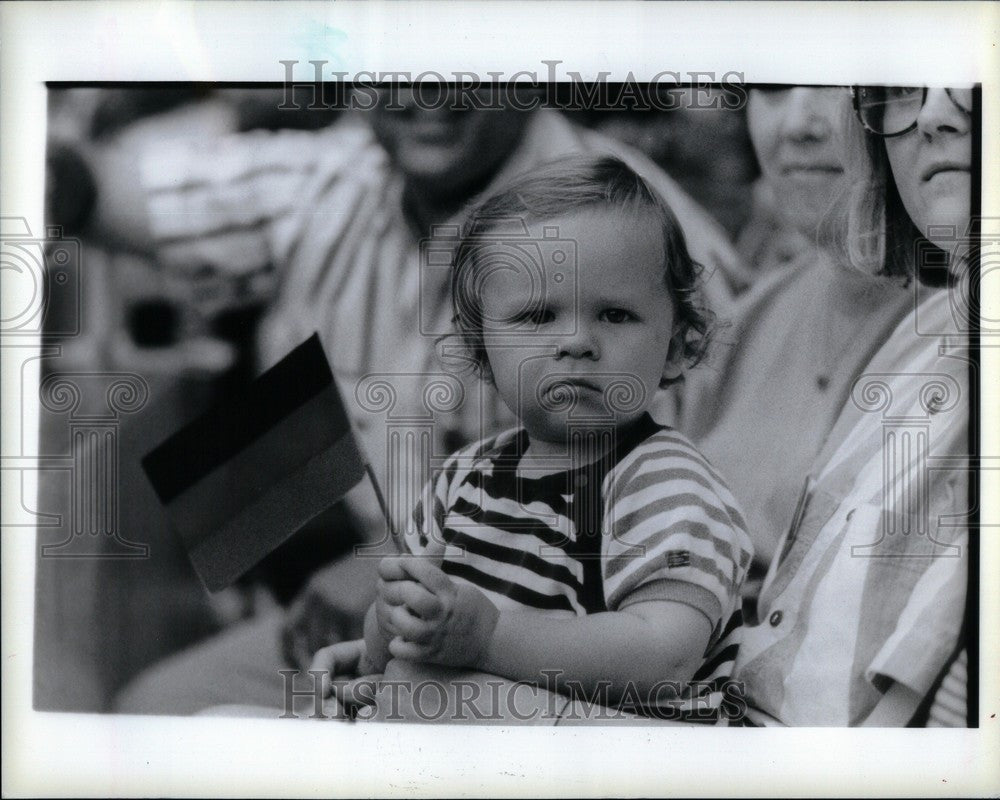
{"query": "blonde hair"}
[(877, 235)]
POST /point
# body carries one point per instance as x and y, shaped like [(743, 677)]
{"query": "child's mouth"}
[(572, 385)]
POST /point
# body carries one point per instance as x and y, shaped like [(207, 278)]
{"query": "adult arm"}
[(220, 212)]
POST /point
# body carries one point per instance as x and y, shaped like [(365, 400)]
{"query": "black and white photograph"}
[(348, 392)]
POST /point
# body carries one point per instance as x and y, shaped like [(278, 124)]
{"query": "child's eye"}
[(616, 316), (536, 316)]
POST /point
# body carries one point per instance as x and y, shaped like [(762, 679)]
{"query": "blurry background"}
[(99, 620)]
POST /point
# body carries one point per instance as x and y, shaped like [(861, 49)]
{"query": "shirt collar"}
[(508, 456)]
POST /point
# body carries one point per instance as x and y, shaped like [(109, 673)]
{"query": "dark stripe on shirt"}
[(507, 555), (520, 594), (727, 653)]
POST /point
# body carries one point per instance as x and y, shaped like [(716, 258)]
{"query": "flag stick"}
[(396, 540)]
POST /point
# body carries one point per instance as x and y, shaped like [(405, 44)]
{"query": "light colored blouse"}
[(869, 586)]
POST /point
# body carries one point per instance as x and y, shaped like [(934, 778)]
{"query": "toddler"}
[(590, 544)]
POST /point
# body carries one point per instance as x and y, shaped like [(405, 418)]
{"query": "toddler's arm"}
[(637, 647)]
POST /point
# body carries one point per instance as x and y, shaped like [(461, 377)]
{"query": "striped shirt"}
[(312, 222), (868, 588), (650, 521)]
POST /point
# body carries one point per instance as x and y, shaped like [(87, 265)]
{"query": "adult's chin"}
[(947, 219), (805, 204)]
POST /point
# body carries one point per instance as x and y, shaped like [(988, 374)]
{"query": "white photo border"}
[(821, 43)]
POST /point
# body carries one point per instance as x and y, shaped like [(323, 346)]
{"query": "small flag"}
[(246, 475)]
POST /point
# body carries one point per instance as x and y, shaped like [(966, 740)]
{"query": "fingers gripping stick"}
[(433, 618)]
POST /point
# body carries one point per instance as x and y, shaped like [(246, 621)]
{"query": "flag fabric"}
[(245, 476)]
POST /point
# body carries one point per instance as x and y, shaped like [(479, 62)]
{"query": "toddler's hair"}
[(573, 184)]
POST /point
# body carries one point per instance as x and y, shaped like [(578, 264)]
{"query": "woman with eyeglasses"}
[(861, 613)]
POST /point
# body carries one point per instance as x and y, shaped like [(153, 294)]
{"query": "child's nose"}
[(581, 344)]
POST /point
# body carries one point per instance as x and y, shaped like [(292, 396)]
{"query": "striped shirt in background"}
[(312, 222), (651, 521)]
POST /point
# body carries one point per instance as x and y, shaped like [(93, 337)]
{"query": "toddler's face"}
[(584, 336)]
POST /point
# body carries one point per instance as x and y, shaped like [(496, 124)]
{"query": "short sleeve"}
[(676, 533), (926, 630), (949, 709)]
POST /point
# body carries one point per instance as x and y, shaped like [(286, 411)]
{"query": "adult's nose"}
[(808, 114), (941, 115)]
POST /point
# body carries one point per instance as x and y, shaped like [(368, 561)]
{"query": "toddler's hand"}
[(397, 590), (435, 620)]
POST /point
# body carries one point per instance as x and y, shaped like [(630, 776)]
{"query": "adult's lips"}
[(434, 131), (811, 168), (943, 166)]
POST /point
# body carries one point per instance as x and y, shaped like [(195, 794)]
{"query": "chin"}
[(804, 211), (429, 162), (949, 216)]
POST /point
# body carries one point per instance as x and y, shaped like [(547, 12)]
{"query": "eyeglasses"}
[(893, 110)]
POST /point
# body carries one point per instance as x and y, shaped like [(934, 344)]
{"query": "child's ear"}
[(675, 359)]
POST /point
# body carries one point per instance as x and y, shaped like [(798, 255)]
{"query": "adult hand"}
[(431, 694), (330, 609), (346, 680), (432, 618)]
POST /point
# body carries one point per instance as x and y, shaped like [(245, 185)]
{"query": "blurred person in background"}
[(705, 145), (802, 335), (326, 227), (133, 318)]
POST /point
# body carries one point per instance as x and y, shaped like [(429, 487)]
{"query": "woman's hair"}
[(571, 184), (877, 235)]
